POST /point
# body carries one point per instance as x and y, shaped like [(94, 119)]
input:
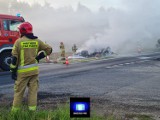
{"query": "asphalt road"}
[(130, 83)]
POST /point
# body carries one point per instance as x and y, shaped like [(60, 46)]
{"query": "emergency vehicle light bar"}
[(18, 15)]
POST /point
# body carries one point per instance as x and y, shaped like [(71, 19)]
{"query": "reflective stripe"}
[(36, 54), (15, 88), (29, 44), (32, 108), (28, 69), (15, 109), (27, 66), (12, 66), (22, 57), (14, 47)]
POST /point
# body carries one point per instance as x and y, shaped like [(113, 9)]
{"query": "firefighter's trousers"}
[(19, 88), (62, 52)]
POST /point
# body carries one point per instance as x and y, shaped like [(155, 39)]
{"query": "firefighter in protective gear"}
[(62, 48), (24, 65), (74, 48)]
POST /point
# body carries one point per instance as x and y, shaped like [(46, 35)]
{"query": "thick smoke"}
[(124, 30), (130, 29)]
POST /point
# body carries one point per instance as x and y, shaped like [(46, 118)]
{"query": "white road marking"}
[(108, 67), (115, 66), (128, 63), (144, 58)]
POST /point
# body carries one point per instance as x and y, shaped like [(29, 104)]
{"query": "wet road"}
[(126, 80)]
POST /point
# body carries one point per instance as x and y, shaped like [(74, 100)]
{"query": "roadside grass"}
[(139, 117), (61, 113)]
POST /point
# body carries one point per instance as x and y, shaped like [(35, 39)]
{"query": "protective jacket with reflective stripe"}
[(26, 50)]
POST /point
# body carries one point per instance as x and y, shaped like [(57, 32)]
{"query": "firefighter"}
[(74, 48), (24, 66), (62, 48)]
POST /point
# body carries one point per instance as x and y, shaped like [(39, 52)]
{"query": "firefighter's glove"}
[(13, 70), (41, 56)]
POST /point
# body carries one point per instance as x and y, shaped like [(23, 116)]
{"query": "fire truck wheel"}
[(5, 59)]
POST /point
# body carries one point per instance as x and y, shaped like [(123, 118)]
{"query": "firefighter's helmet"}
[(25, 28)]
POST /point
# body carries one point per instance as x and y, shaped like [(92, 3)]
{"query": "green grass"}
[(61, 113), (139, 117)]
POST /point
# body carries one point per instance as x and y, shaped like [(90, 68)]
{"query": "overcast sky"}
[(124, 25), (91, 4)]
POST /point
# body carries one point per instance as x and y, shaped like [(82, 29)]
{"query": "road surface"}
[(125, 83)]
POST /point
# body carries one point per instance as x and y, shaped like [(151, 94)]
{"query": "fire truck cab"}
[(8, 35)]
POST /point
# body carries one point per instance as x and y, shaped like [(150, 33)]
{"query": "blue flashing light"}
[(18, 15), (80, 106)]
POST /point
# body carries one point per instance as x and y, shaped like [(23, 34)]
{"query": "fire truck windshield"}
[(14, 24), (11, 25)]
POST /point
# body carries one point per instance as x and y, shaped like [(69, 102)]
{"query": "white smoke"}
[(32, 2), (122, 29), (129, 29)]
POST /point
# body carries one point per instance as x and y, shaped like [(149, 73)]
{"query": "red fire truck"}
[(8, 35)]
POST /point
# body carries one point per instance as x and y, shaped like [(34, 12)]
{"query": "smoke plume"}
[(124, 30)]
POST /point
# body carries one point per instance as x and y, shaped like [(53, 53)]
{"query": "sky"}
[(124, 25), (91, 4)]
